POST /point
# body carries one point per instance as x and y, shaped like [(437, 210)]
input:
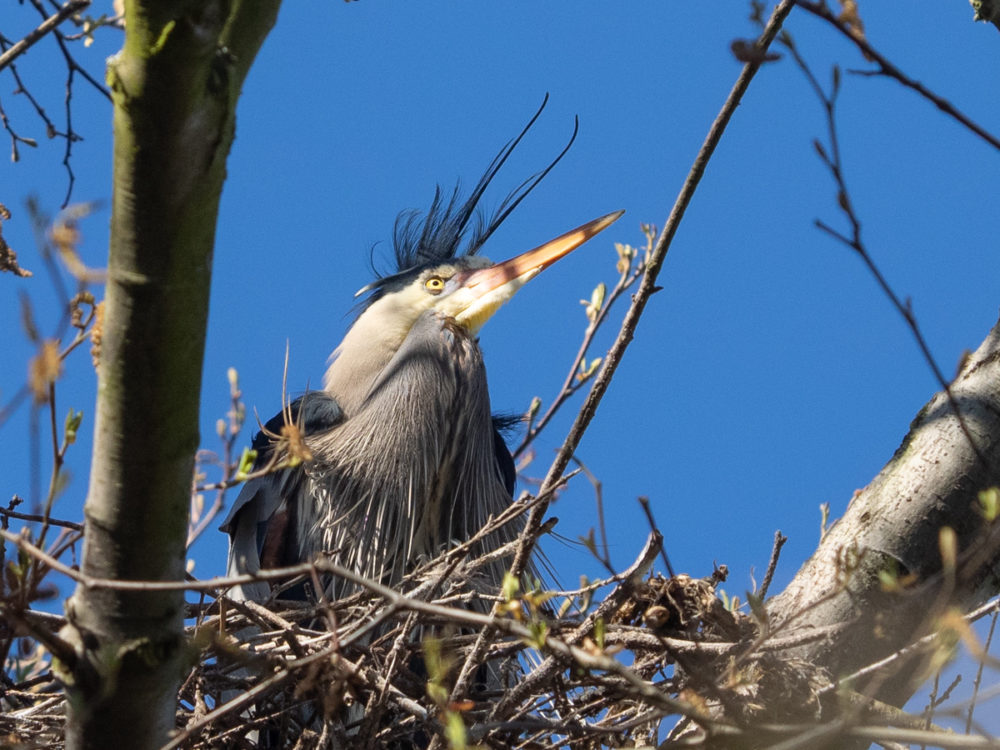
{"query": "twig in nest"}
[(772, 564)]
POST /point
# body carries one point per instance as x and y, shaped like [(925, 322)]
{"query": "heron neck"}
[(363, 354)]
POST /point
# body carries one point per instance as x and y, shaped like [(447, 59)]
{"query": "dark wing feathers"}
[(260, 522), (313, 412)]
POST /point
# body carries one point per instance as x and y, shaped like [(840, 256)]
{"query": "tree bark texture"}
[(878, 571), (175, 85)]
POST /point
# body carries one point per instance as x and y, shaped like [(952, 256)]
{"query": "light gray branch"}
[(879, 570)]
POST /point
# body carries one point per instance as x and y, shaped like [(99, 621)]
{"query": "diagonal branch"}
[(648, 284), (46, 26)]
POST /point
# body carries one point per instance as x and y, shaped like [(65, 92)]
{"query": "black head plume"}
[(453, 226)]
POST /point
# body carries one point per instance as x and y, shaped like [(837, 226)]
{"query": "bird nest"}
[(437, 663)]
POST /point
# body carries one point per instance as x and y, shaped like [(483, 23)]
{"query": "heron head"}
[(470, 289)]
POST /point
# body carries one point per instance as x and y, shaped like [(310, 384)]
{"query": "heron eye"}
[(434, 285)]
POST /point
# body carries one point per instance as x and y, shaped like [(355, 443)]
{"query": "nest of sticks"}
[(619, 662)]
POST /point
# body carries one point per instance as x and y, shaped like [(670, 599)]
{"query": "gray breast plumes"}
[(382, 499)]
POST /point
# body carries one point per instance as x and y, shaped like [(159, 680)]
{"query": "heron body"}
[(442, 493), (403, 458)]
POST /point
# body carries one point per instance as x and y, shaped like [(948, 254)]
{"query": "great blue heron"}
[(405, 456)]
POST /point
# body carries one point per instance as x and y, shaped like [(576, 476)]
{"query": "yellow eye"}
[(434, 285)]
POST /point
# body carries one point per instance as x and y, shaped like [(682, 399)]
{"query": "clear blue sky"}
[(769, 376)]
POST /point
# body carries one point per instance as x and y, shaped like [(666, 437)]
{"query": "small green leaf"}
[(564, 607), (247, 460), (587, 371), (597, 298), (72, 426), (589, 542), (511, 586), (599, 631), (989, 504), (433, 659), (948, 544), (536, 404), (437, 693), (588, 595), (539, 633), (889, 579), (454, 731), (757, 607)]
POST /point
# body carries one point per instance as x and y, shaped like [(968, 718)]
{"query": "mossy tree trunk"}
[(175, 86)]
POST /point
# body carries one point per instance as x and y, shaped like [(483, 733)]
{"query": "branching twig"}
[(10, 51), (602, 553), (886, 68), (46, 26), (854, 242), (579, 375)]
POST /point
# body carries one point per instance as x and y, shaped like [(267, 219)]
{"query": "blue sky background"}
[(769, 376)]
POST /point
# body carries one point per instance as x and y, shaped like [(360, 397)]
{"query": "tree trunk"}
[(175, 86), (878, 571)]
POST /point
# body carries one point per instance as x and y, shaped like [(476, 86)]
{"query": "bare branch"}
[(886, 68), (49, 24), (855, 243), (779, 542), (648, 286)]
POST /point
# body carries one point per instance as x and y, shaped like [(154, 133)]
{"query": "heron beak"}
[(486, 289)]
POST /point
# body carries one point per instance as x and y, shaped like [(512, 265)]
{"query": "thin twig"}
[(648, 511), (574, 379), (49, 24), (979, 673), (647, 286), (886, 68), (58, 456), (772, 564), (34, 518), (604, 555)]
